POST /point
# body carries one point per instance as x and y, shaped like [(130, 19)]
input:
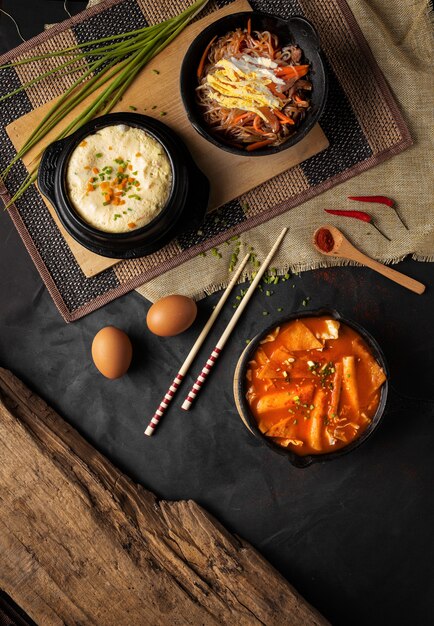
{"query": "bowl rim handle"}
[(307, 24)]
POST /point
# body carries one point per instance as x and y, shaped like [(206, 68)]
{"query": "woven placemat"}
[(361, 121)]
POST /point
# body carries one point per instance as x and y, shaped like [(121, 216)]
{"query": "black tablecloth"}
[(354, 535)]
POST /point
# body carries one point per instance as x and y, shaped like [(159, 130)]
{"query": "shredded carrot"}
[(299, 100), (203, 58), (83, 144), (256, 125), (138, 154), (240, 117), (258, 144), (273, 88), (130, 167), (89, 187), (283, 118), (132, 225), (95, 170)]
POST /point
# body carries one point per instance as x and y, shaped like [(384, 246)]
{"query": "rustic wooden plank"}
[(80, 543)]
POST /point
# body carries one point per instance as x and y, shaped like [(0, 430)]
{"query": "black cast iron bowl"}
[(184, 209), (241, 384), (294, 30)]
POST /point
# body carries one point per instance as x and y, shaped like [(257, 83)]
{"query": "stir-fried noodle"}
[(251, 89)]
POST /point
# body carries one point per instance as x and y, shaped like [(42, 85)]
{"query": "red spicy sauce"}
[(324, 240), (314, 386)]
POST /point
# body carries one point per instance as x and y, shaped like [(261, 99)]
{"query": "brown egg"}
[(171, 315), (112, 352)]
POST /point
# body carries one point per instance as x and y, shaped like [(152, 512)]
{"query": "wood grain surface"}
[(343, 249), (80, 543), (230, 175)]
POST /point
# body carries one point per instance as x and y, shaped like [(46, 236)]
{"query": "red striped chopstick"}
[(168, 396), (192, 394), (206, 369), (164, 404)]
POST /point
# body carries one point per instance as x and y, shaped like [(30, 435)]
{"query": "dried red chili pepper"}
[(358, 215), (380, 200)]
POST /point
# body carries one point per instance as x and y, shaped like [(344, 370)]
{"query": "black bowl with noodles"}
[(185, 206), (240, 386), (294, 31)]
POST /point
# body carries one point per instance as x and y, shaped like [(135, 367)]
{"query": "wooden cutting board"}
[(153, 94)]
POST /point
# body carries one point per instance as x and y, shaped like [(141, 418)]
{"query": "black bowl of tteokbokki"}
[(313, 386)]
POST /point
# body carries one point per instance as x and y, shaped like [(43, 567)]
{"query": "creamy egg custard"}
[(119, 179)]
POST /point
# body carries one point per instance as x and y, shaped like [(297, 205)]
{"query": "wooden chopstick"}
[(168, 396), (225, 336)]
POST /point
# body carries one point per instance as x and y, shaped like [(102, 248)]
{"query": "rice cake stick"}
[(281, 400), (318, 412), (336, 392), (350, 381)]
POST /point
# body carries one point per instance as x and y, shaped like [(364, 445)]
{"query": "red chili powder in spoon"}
[(324, 240)]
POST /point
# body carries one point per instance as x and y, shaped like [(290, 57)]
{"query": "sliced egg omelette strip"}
[(243, 84), (119, 179)]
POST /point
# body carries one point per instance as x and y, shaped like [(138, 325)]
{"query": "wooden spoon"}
[(343, 249)]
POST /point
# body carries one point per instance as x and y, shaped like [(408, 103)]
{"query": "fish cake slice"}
[(377, 375), (298, 337)]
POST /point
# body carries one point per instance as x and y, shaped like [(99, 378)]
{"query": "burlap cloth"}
[(399, 33)]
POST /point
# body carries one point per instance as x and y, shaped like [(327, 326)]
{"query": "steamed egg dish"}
[(119, 179)]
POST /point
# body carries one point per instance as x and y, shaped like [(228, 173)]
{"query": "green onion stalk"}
[(110, 62)]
